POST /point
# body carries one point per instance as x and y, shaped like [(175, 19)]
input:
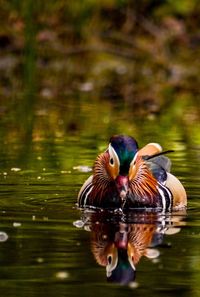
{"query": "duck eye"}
[(111, 161), (109, 259)]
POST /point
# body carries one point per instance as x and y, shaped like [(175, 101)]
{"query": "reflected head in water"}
[(123, 273), (128, 177), (119, 245)]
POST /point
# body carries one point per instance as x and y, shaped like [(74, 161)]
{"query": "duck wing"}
[(159, 167)]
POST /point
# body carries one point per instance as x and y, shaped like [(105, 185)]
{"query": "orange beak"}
[(122, 186), (121, 240)]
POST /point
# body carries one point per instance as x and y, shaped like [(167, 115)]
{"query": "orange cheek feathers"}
[(112, 171)]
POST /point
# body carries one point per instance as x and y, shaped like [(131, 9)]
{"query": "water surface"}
[(46, 249)]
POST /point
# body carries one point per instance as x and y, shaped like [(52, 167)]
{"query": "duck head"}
[(121, 151)]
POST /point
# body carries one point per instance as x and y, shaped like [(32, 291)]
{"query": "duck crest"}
[(126, 148)]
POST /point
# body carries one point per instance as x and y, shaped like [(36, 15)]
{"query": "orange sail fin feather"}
[(150, 149), (127, 177)]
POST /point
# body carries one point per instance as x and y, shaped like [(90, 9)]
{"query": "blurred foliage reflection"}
[(67, 67)]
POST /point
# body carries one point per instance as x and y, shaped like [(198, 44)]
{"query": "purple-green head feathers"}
[(126, 147)]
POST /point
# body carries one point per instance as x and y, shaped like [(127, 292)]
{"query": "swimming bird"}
[(126, 177)]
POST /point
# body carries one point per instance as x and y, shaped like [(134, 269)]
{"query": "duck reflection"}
[(119, 247), (119, 244)]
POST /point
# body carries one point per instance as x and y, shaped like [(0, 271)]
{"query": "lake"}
[(48, 246)]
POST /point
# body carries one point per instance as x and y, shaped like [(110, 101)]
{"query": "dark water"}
[(46, 249)]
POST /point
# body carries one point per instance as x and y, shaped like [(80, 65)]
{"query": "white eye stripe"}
[(134, 159), (113, 156)]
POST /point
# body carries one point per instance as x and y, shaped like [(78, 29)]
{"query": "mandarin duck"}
[(126, 177)]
